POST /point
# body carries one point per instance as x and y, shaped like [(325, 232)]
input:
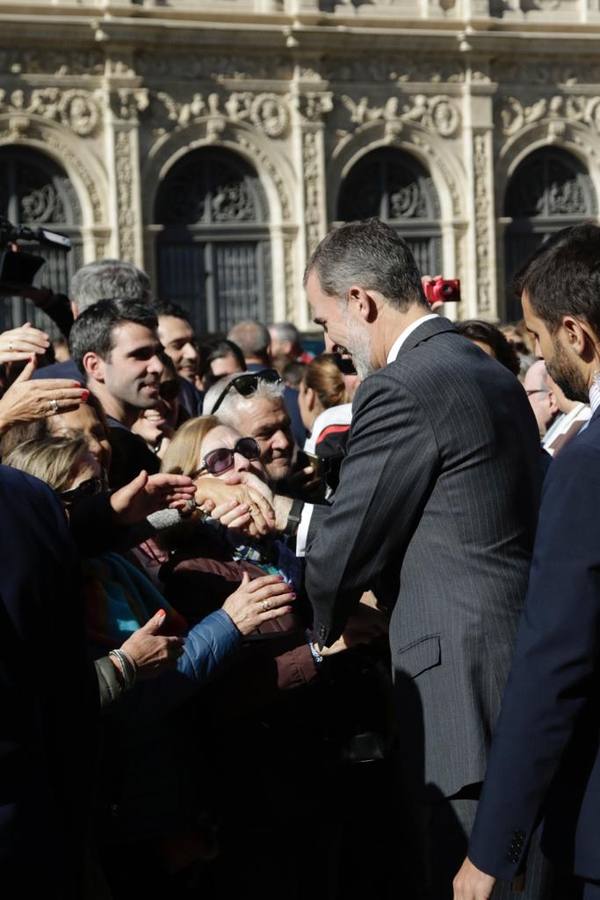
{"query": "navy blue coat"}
[(545, 759), (48, 697)]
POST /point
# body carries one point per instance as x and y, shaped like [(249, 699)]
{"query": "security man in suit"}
[(545, 759), (435, 512)]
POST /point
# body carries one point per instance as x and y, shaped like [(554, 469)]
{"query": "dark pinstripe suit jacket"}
[(435, 511)]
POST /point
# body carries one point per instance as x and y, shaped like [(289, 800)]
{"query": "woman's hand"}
[(257, 601), (19, 343), (151, 652), (26, 400), (147, 494)]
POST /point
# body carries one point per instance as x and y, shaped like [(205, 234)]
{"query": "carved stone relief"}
[(288, 262), (125, 199), (52, 62), (388, 70), (127, 102), (438, 114), (76, 109), (266, 111), (482, 221), (557, 111), (194, 66)]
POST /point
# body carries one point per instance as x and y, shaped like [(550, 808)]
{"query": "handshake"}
[(243, 502)]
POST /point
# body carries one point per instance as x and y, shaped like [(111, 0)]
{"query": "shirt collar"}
[(595, 392), (395, 348)]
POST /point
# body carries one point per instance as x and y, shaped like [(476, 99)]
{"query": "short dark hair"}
[(166, 308), (563, 277), (373, 255), (486, 333), (93, 330)]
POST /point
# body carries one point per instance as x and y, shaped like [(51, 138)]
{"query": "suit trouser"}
[(444, 827)]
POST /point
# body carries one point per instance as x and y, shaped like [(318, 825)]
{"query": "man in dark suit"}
[(545, 759), (435, 512)]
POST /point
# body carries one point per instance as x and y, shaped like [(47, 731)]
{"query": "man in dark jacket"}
[(545, 758), (48, 697)]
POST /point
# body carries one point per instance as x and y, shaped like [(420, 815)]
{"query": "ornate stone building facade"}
[(215, 143)]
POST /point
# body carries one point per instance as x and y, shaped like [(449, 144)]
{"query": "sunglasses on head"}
[(222, 459), (168, 390), (246, 383)]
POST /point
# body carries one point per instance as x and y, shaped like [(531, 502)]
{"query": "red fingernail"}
[(84, 395)]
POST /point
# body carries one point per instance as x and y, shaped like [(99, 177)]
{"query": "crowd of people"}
[(292, 624)]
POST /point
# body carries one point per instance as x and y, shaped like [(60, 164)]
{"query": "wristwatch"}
[(293, 519)]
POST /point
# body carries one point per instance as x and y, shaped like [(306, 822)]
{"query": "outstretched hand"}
[(26, 400), (147, 494), (239, 505), (259, 600), (19, 343), (151, 651)]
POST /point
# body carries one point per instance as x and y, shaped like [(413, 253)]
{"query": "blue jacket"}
[(545, 758)]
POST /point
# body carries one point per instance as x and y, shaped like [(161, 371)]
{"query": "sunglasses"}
[(222, 459), (246, 383), (88, 488), (168, 390)]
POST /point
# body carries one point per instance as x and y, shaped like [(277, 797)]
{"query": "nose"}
[(240, 463), (95, 447), (189, 351), (537, 349), (155, 367), (280, 441)]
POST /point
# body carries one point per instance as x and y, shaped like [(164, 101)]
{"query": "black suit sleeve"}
[(553, 673), (391, 465)]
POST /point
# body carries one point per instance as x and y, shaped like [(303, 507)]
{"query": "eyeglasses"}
[(537, 391), (246, 383), (222, 459), (88, 488), (168, 390)]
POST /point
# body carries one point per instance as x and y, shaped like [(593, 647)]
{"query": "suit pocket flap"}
[(420, 655)]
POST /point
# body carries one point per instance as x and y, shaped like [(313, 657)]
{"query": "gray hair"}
[(286, 331), (372, 255), (233, 403), (252, 338), (108, 279)]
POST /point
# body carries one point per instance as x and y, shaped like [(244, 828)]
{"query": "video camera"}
[(18, 268)]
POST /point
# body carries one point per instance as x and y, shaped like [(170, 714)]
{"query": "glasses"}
[(222, 459), (537, 391), (246, 383), (168, 390), (88, 488)]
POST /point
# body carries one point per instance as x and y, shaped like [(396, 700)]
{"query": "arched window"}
[(213, 248), (395, 187), (549, 190), (35, 191)]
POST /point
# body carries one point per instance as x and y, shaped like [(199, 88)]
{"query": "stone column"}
[(480, 292), (309, 140), (122, 152)]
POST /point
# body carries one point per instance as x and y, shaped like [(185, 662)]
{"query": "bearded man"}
[(435, 513), (545, 758)]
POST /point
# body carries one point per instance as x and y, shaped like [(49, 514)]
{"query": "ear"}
[(579, 337), (311, 398), (552, 402), (94, 366), (365, 303)]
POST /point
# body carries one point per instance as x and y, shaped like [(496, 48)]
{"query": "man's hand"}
[(147, 494), (26, 400), (19, 343), (254, 513), (472, 884), (366, 624)]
